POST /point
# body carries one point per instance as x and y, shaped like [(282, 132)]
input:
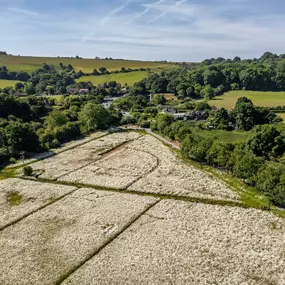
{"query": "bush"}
[(12, 160), (28, 171)]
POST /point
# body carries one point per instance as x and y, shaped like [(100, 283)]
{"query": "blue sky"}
[(174, 30)]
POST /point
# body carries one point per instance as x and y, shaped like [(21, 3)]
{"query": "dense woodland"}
[(37, 123)]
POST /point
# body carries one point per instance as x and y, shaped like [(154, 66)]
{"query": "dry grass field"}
[(174, 177), (71, 160), (19, 198), (184, 243), (119, 210), (29, 64), (48, 244)]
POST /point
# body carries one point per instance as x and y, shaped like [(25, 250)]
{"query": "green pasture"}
[(259, 98), (7, 83), (130, 78), (225, 136), (282, 115)]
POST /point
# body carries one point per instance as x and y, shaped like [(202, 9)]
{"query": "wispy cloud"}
[(192, 30), (147, 9), (114, 12), (169, 9)]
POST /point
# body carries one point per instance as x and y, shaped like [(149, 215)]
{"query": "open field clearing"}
[(76, 158), (129, 78), (225, 136), (48, 245), (7, 83), (185, 243), (170, 97), (174, 177), (19, 198), (259, 98), (282, 115), (117, 170), (29, 64)]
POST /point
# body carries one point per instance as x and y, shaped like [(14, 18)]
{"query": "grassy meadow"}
[(7, 83), (259, 98), (130, 78), (225, 136), (29, 64), (282, 115)]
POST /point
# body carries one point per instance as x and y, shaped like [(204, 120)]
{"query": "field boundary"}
[(207, 201), (51, 153), (105, 244), (146, 173)]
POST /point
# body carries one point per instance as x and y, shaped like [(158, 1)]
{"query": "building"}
[(20, 94), (73, 90), (83, 91), (180, 116)]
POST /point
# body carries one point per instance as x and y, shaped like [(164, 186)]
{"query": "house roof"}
[(20, 94)]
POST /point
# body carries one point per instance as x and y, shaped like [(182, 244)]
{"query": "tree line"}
[(215, 76)]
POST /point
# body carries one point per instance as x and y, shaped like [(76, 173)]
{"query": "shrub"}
[(28, 171)]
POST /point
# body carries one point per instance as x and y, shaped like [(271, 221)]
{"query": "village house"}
[(73, 90), (20, 94), (83, 91)]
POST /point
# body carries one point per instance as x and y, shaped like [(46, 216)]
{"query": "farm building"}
[(73, 90), (20, 94), (83, 91)]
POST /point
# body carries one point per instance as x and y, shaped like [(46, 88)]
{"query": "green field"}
[(7, 83), (29, 64), (130, 78), (225, 136), (282, 115), (265, 99)]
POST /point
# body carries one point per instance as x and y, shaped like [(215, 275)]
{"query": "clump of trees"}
[(32, 124), (243, 117)]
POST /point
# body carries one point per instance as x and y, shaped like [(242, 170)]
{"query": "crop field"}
[(142, 165), (71, 160), (118, 170), (7, 83), (48, 244), (263, 99), (173, 177), (19, 198), (62, 148), (29, 64), (128, 78), (123, 208), (184, 243)]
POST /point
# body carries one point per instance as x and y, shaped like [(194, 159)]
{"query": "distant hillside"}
[(29, 64)]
